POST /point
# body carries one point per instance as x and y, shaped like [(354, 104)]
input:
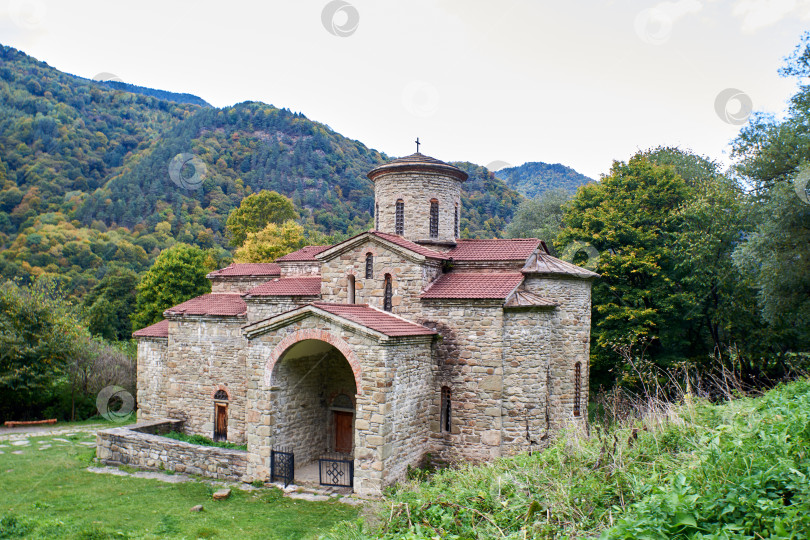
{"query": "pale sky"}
[(578, 82)]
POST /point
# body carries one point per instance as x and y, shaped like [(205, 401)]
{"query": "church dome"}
[(418, 163)]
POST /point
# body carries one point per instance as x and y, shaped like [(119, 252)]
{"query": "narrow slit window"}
[(446, 411), (434, 218), (369, 266), (351, 292), (399, 223), (577, 388), (220, 415), (388, 294), (455, 227)]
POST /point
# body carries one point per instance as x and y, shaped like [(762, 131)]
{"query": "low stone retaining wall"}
[(142, 446)]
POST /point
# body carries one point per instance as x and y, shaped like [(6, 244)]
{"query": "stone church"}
[(400, 342)]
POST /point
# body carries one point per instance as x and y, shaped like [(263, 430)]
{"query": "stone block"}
[(491, 438), (221, 494)]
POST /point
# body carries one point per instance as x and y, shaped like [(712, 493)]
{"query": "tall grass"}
[(738, 469)]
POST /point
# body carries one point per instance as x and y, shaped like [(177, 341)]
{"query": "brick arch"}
[(387, 270), (320, 335), (335, 394), (222, 387)]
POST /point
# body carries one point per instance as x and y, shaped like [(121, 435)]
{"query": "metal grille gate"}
[(282, 465), (336, 470)]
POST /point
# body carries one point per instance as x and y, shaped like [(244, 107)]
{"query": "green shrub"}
[(697, 470), (13, 527), (750, 482)]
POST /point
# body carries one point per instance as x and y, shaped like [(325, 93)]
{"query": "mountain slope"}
[(533, 178), (254, 146), (85, 184), (160, 94)]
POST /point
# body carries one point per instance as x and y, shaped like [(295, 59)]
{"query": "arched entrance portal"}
[(313, 402)]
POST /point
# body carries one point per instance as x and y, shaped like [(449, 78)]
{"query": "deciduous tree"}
[(177, 275), (540, 217), (39, 335), (256, 212), (270, 243)]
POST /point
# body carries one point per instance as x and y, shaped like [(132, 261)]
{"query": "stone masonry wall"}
[(265, 307), (416, 189), (136, 448), (300, 268), (469, 361), (151, 378), (234, 285), (376, 446), (207, 355), (409, 379), (528, 349), (569, 340), (409, 279)]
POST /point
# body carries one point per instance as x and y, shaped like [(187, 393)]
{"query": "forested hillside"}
[(84, 172), (160, 94), (533, 178)]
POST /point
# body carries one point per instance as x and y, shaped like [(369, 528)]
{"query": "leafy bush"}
[(695, 470), (13, 527), (750, 480)]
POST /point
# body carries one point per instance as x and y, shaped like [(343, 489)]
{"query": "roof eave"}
[(237, 277), (590, 276), (534, 307), (346, 245), (281, 320), (181, 315), (260, 297), (395, 168), (153, 338)]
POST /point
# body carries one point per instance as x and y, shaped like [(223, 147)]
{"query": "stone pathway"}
[(23, 438), (168, 478), (292, 491), (23, 433), (318, 494), (176, 478)]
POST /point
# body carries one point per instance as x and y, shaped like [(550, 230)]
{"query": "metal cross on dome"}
[(417, 145)]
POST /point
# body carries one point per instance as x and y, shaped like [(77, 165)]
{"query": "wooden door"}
[(343, 432), (221, 425)]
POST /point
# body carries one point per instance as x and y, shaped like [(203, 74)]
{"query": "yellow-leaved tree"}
[(270, 243)]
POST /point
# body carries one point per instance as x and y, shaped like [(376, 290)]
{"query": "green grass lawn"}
[(50, 494)]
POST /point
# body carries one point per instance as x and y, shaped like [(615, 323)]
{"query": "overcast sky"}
[(576, 82)]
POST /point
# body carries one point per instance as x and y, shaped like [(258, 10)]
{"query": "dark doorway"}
[(221, 424), (343, 431)]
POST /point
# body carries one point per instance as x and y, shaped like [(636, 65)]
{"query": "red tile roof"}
[(474, 285), (158, 330), (290, 286), (494, 250), (526, 299), (543, 263), (247, 270), (375, 319), (304, 254), (218, 304), (417, 162), (407, 244)]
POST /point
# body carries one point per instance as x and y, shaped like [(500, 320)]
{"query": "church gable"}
[(365, 265)]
